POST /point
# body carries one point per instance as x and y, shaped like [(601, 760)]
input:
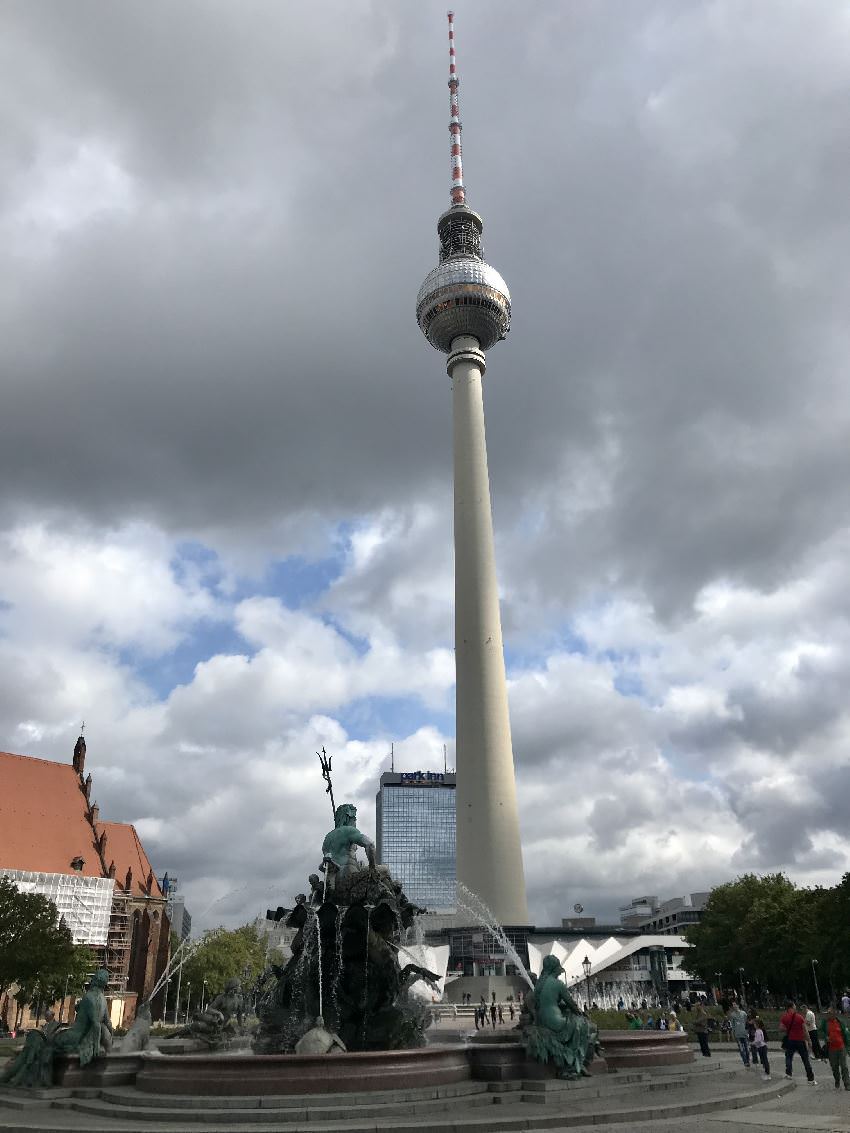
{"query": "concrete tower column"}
[(489, 852)]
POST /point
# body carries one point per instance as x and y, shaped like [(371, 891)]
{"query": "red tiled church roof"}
[(44, 826), (124, 848)]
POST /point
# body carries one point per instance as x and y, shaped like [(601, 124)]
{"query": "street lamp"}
[(165, 1001), (188, 999), (719, 986), (817, 989), (203, 995), (177, 1001), (741, 982), (586, 966)]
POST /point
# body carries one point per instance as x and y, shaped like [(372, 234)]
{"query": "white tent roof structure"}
[(610, 953)]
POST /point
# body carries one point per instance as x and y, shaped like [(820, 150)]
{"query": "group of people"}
[(493, 1011), (662, 1021), (799, 1034)]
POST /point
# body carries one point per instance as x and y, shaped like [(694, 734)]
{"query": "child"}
[(760, 1047)]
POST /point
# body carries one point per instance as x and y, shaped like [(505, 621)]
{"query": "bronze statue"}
[(90, 1035), (557, 1030), (339, 846), (223, 1019)]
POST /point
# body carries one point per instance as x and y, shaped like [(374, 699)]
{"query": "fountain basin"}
[(113, 1070), (500, 1057), (645, 1048), (263, 1075)]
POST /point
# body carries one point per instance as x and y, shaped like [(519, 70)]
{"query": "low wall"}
[(114, 1070), (496, 1057), (281, 1074), (645, 1048), (501, 1057)]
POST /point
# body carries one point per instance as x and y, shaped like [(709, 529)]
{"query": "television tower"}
[(463, 308)]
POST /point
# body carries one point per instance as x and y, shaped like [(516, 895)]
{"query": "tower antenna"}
[(458, 193), (392, 758)]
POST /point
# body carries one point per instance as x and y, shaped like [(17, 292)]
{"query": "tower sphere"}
[(463, 295)]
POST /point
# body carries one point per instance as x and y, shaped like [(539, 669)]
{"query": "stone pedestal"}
[(108, 1070)]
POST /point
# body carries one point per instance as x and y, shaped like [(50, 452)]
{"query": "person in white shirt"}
[(812, 1029), (760, 1047)]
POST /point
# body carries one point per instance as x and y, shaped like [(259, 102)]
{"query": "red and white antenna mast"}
[(458, 192)]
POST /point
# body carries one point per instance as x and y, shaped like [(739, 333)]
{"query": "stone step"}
[(320, 1110), (128, 1096), (494, 1122)]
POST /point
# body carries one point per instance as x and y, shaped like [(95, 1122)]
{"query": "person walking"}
[(700, 1027), (738, 1019), (812, 1029), (760, 1047), (501, 1014), (836, 1040), (511, 1010), (493, 1014), (793, 1028)]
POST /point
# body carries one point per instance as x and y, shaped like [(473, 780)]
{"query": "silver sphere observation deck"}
[(463, 295)]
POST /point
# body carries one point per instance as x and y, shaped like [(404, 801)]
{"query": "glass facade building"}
[(416, 825)]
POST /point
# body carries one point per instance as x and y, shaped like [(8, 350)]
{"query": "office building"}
[(415, 825)]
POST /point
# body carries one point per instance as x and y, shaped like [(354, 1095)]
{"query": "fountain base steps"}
[(639, 1098)]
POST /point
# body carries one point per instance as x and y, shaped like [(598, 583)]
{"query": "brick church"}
[(53, 841)]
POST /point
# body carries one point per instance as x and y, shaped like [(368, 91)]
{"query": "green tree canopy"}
[(37, 951), (774, 931), (222, 955)]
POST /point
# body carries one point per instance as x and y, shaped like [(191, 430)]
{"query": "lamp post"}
[(203, 995), (817, 989), (188, 999), (177, 1000), (586, 966), (719, 987), (741, 984), (165, 1001)]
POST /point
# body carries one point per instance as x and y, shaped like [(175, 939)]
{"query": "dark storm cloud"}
[(214, 219), (238, 342)]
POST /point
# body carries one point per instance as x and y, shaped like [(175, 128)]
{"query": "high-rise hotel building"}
[(415, 824)]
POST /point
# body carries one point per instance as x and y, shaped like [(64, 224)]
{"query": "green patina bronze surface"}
[(340, 843), (89, 1033), (558, 1031)]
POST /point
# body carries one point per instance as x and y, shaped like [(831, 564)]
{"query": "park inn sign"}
[(422, 778)]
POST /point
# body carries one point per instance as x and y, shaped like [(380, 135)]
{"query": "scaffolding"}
[(84, 903), (118, 943)]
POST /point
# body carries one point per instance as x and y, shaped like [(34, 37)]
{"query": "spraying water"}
[(319, 950), (471, 903)]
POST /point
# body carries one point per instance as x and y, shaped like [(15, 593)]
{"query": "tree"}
[(69, 978), (750, 924), (34, 943), (37, 951), (222, 955)]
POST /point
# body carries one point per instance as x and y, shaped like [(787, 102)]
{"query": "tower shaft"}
[(489, 852)]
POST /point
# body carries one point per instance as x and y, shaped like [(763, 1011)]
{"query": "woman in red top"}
[(793, 1027)]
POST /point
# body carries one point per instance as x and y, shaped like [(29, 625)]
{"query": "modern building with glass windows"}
[(415, 823)]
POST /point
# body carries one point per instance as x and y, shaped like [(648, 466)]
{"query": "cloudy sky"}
[(225, 464)]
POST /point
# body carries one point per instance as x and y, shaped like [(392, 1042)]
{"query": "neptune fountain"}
[(347, 979)]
